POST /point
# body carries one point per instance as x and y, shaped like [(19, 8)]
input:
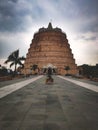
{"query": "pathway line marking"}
[(82, 84), (13, 87)]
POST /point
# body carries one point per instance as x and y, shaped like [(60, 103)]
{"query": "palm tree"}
[(15, 59), (67, 68)]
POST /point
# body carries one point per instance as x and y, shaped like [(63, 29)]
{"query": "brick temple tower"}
[(50, 47)]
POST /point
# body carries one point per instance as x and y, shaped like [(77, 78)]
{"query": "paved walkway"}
[(9, 82), (15, 86), (60, 106), (82, 84)]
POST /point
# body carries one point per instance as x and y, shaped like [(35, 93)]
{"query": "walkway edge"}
[(82, 84), (4, 91)]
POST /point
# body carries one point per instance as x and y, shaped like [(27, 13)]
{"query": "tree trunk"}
[(15, 70)]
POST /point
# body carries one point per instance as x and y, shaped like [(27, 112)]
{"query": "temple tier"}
[(50, 47)]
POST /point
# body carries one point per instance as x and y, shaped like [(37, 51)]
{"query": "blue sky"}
[(20, 19)]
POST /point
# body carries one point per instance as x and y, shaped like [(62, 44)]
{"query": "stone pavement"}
[(9, 82), (61, 106), (13, 87), (82, 84)]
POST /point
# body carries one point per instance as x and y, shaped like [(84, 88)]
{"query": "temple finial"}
[(49, 26)]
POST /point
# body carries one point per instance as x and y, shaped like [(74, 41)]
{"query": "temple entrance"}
[(53, 68)]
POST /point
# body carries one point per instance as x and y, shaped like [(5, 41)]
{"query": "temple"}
[(50, 48)]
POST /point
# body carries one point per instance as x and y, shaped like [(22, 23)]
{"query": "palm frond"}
[(20, 63), (22, 58), (12, 64), (6, 62), (16, 54)]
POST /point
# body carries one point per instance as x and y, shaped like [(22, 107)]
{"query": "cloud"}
[(15, 15), (87, 15), (10, 42), (20, 19), (87, 36), (85, 48), (79, 15)]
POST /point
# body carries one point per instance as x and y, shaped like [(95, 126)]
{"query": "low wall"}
[(4, 78)]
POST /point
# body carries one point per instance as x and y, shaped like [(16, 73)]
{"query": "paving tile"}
[(9, 125)]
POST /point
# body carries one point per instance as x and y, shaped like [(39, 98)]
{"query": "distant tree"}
[(34, 67), (3, 71), (54, 70), (15, 59), (89, 70), (67, 68), (44, 70)]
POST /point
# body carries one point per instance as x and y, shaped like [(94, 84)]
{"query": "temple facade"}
[(50, 48)]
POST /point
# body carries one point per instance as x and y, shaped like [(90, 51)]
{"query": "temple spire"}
[(49, 26)]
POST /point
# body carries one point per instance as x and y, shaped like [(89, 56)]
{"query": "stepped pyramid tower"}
[(50, 47)]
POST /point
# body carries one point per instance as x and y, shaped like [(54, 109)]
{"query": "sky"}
[(20, 19)]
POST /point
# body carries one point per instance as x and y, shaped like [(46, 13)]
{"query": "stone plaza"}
[(63, 105)]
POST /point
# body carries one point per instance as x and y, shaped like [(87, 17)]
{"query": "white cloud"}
[(85, 48), (12, 42)]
